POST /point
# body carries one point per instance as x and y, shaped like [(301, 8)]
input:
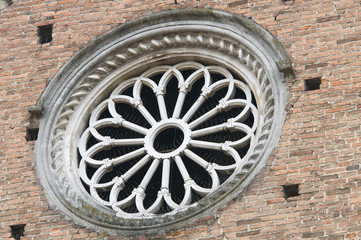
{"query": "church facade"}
[(180, 119)]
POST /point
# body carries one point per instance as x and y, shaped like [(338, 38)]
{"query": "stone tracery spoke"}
[(149, 174), (185, 86), (119, 182), (86, 160), (134, 102), (143, 185), (194, 108), (167, 76), (229, 126), (209, 92), (183, 170), (209, 167), (224, 147), (112, 122), (110, 142), (141, 163), (105, 166), (117, 120), (164, 189)]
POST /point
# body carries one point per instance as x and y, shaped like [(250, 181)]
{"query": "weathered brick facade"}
[(319, 148)]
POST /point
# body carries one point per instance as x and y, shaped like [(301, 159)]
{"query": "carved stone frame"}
[(208, 35)]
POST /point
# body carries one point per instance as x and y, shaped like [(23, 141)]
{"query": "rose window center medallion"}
[(162, 131), (167, 138)]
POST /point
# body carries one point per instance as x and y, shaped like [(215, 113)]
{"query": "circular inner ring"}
[(167, 138)]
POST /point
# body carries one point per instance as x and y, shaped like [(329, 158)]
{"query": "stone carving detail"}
[(153, 45), (224, 105), (161, 120)]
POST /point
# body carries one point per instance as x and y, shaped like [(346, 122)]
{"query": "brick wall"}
[(319, 149)]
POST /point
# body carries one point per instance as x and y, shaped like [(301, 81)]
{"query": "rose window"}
[(164, 140), (161, 121)]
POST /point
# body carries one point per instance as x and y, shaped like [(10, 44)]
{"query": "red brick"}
[(319, 146)]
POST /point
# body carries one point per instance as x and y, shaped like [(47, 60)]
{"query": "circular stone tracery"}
[(91, 155), (222, 120)]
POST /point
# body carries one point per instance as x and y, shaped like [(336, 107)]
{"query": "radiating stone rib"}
[(179, 104), (194, 108), (184, 89), (165, 174), (129, 156), (140, 164), (143, 185), (205, 145), (109, 143), (134, 102), (162, 107), (183, 170), (229, 126), (115, 122), (211, 113), (137, 102), (153, 167), (209, 92)]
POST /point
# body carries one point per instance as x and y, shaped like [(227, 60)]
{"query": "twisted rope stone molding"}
[(72, 154)]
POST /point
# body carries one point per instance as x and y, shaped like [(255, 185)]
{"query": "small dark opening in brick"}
[(9, 2), (31, 133), (291, 190), (45, 34), (17, 231), (312, 84)]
